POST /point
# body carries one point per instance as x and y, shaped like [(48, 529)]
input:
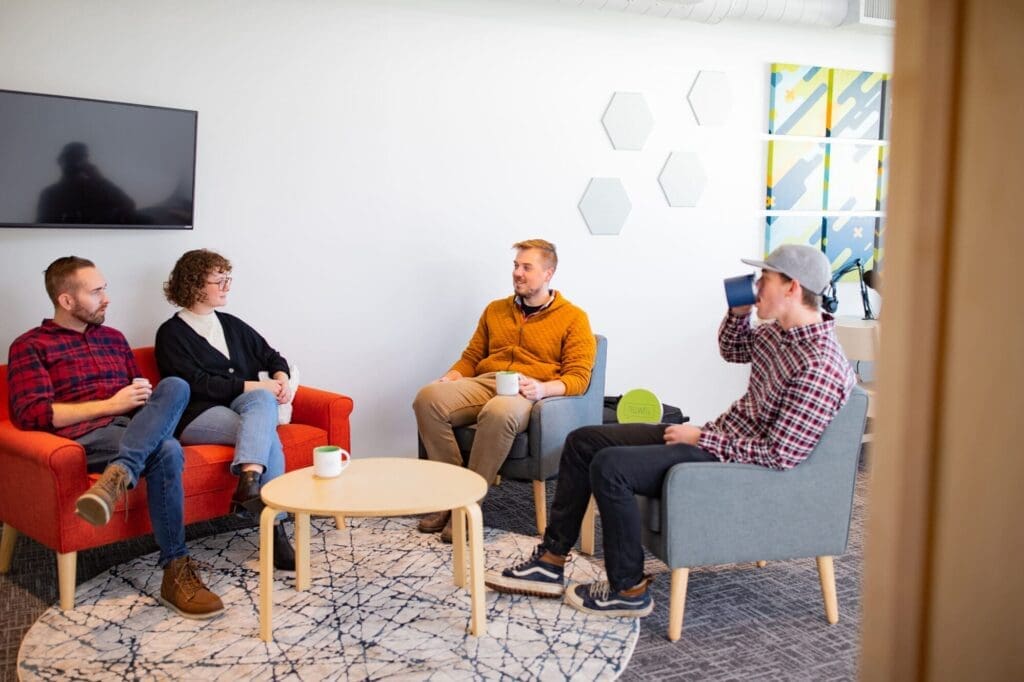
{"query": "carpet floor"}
[(742, 623)]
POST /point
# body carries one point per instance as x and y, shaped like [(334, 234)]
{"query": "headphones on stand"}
[(830, 298)]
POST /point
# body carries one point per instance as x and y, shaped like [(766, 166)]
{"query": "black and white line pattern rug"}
[(382, 605)]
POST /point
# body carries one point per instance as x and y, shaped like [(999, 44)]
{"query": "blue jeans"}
[(145, 447), (250, 424), (614, 462)]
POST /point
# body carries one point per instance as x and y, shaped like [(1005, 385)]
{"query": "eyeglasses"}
[(222, 284)]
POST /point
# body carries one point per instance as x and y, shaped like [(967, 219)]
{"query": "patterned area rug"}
[(382, 605)]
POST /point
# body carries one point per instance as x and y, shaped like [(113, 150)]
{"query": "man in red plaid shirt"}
[(77, 378), (799, 379)]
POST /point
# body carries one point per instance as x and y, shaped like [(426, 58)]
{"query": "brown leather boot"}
[(446, 534), (97, 504), (184, 591), (432, 523), (247, 494)]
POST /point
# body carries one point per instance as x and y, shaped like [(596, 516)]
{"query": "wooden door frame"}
[(934, 490)]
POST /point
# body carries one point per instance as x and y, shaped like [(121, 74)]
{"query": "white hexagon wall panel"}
[(710, 98), (628, 120), (605, 205), (682, 179)]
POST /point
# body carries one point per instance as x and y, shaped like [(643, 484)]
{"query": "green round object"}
[(639, 406)]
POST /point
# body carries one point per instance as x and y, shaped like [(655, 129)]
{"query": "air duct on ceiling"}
[(822, 13)]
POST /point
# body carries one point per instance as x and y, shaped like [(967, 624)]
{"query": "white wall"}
[(366, 166)]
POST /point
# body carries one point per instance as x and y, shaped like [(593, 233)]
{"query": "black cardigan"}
[(213, 379)]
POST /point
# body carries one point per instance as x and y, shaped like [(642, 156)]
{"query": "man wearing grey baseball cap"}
[(805, 264), (799, 379)]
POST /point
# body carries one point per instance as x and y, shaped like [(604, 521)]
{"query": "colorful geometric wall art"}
[(887, 109), (796, 176), (880, 243), (882, 192), (792, 229), (799, 100), (849, 237), (827, 167), (857, 104), (852, 177)]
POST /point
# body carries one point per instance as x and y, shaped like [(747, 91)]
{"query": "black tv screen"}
[(72, 162)]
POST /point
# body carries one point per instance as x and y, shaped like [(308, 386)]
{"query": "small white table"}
[(380, 486)]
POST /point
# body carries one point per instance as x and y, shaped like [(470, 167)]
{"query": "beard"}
[(81, 313), (523, 289)]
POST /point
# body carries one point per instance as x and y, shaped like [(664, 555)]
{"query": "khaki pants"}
[(441, 406)]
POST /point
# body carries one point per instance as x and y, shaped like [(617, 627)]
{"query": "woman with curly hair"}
[(221, 357)]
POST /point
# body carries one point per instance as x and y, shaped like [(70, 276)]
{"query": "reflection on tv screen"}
[(68, 162)]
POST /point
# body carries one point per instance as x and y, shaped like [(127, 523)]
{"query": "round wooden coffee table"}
[(378, 486)]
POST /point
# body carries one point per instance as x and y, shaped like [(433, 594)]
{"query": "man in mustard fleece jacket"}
[(537, 333)]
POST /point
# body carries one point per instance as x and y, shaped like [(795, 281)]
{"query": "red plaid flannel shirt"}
[(798, 381), (51, 364)]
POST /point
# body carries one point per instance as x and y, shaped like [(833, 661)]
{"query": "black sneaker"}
[(532, 577), (599, 598)]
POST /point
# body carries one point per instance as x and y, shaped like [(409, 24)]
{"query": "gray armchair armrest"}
[(552, 419), (712, 513)]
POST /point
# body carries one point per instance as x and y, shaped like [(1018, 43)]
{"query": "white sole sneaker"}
[(533, 588), (627, 611)]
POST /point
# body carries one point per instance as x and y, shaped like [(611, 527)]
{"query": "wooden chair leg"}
[(762, 563), (677, 602), (497, 480), (827, 574), (587, 529), (10, 537), (540, 503), (339, 522), (66, 566)]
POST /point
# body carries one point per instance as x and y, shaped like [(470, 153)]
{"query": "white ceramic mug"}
[(329, 461), (143, 381), (507, 383)]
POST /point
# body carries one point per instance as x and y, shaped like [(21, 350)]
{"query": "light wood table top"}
[(377, 486)]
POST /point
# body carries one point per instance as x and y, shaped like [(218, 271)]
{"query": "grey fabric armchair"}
[(717, 514), (535, 454)]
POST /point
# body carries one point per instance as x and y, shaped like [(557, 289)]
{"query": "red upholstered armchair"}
[(41, 476)]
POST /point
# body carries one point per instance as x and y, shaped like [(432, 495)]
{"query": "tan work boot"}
[(97, 504), (184, 591)]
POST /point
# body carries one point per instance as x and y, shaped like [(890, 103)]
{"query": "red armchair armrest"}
[(40, 473), (325, 410)]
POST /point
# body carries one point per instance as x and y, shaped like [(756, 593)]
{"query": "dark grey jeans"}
[(614, 462)]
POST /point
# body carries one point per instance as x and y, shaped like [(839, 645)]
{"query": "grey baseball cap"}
[(805, 264)]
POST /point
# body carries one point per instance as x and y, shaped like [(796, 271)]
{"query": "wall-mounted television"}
[(80, 163)]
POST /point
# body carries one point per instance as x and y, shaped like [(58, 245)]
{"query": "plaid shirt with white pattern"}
[(798, 381)]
